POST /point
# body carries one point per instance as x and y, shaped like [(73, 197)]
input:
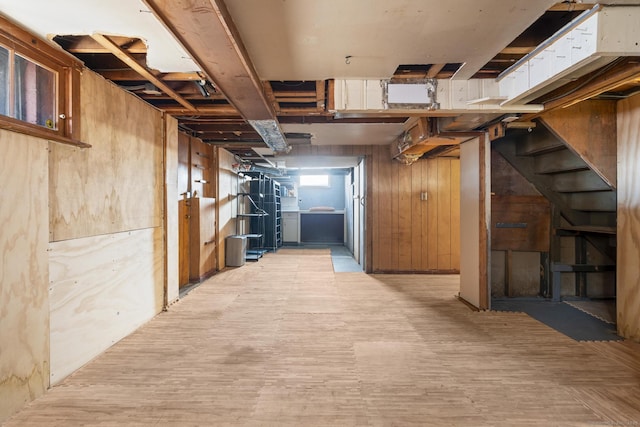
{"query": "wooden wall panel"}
[(454, 191), (474, 221), (227, 182), (184, 164), (404, 233), (172, 198), (416, 216), (444, 214), (520, 223), (589, 127), (24, 297), (117, 184), (102, 288), (628, 245), (202, 237), (406, 222)]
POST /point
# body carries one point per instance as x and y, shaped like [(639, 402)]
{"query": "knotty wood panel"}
[(184, 166), (24, 298), (116, 185), (102, 288), (589, 127), (520, 223), (407, 234), (183, 238), (172, 198), (227, 183), (454, 227), (628, 245), (202, 237)]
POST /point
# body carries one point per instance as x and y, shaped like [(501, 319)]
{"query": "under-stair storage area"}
[(554, 212)]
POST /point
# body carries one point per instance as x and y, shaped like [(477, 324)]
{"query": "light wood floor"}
[(285, 341)]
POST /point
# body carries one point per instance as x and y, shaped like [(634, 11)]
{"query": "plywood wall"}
[(590, 129), (171, 207), (116, 185), (407, 234), (107, 215), (102, 288), (24, 298), (628, 245), (227, 182)]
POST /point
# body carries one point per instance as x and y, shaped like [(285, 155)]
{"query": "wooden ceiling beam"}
[(434, 70), (320, 96), (131, 75), (89, 45), (125, 57), (208, 110), (207, 32), (570, 6)]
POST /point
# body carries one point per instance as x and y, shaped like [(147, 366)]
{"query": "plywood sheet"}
[(474, 188), (590, 129), (117, 184), (628, 242), (24, 299), (102, 288), (171, 207)]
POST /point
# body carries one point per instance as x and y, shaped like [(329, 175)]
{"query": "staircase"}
[(583, 208)]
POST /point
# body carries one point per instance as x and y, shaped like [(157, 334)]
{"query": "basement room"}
[(319, 212)]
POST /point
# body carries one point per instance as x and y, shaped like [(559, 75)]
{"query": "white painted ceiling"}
[(309, 39)]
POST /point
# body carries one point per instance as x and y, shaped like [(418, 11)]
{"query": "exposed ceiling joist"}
[(206, 30), (125, 57)]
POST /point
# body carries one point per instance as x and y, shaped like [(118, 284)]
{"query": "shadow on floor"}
[(343, 261), (560, 316)]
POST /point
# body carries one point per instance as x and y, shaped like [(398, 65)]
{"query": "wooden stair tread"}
[(590, 229)]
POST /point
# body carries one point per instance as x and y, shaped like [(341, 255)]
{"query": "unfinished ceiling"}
[(290, 52)]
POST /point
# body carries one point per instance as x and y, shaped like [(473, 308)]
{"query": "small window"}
[(39, 87), (34, 91), (314, 180)]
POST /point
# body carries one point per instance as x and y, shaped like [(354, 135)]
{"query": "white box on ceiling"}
[(594, 39)]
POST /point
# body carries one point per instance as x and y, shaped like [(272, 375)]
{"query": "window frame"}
[(67, 97)]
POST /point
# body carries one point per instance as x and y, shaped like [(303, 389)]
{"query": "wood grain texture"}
[(407, 234), (183, 242), (171, 218), (117, 184), (628, 242), (24, 277), (589, 128), (305, 346), (520, 223), (227, 183), (102, 288), (202, 237), (474, 217)]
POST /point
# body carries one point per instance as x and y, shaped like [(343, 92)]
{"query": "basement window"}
[(314, 180), (39, 87)]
